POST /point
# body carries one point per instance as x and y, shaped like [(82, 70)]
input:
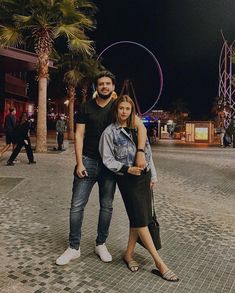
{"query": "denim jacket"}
[(117, 149)]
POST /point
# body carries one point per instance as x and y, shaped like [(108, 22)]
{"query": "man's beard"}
[(105, 97)]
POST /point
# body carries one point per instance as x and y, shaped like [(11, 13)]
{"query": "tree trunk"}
[(41, 143), (71, 96)]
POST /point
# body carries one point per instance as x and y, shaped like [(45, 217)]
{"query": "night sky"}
[(185, 37)]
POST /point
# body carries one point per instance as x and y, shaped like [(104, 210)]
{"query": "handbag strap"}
[(153, 209)]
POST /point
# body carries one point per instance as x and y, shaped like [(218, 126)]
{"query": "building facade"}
[(14, 65)]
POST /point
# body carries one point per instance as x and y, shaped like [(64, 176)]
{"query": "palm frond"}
[(68, 30), (83, 46), (10, 36), (73, 77), (86, 5), (22, 19), (67, 8), (86, 23)]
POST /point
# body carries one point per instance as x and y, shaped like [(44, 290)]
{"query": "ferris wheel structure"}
[(129, 84)]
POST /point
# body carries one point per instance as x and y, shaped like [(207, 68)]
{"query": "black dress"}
[(136, 194)]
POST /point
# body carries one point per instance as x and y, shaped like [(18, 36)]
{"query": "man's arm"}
[(79, 136), (142, 137)]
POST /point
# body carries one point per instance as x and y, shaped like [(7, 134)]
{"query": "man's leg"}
[(81, 191), (60, 140), (15, 153), (29, 151), (107, 184)]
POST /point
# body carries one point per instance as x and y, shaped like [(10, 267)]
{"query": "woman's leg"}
[(148, 243), (133, 236), (146, 238), (128, 256)]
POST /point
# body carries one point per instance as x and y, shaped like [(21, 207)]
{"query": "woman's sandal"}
[(132, 265), (168, 275)]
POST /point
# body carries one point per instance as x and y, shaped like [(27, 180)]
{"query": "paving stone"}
[(194, 200)]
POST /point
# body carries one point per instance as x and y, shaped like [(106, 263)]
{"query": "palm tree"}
[(89, 67), (78, 70), (69, 64), (42, 22)]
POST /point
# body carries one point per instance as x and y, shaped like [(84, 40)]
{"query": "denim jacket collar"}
[(118, 126)]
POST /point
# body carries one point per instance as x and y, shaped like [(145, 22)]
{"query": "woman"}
[(118, 150), (22, 139)]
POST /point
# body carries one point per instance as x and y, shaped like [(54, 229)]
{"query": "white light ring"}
[(155, 60)]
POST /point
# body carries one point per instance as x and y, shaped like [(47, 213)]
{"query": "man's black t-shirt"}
[(96, 119)]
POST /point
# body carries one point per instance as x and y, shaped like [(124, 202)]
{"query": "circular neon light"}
[(155, 60)]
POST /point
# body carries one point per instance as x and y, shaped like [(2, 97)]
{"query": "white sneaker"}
[(67, 256), (102, 252)]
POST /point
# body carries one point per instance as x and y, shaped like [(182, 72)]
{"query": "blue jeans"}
[(80, 194)]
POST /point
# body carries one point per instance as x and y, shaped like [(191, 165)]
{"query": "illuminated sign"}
[(201, 133)]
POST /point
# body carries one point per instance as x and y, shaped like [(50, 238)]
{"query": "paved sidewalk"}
[(194, 199)]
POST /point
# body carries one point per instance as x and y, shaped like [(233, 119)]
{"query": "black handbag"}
[(154, 229)]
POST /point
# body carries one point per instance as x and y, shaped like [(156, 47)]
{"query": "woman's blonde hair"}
[(131, 118)]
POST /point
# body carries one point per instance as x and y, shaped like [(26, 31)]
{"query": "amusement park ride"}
[(226, 101), (128, 86)]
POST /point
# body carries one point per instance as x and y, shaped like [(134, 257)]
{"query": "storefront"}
[(199, 131)]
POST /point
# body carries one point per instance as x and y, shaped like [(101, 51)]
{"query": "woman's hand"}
[(152, 184), (135, 170)]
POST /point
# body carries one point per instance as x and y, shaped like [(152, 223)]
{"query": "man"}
[(9, 126), (60, 130), (94, 116)]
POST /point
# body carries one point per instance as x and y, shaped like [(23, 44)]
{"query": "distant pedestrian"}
[(9, 127), (229, 134), (21, 137), (154, 135), (221, 133), (60, 130), (32, 125)]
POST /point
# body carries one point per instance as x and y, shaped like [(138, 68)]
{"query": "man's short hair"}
[(105, 74), (12, 109)]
